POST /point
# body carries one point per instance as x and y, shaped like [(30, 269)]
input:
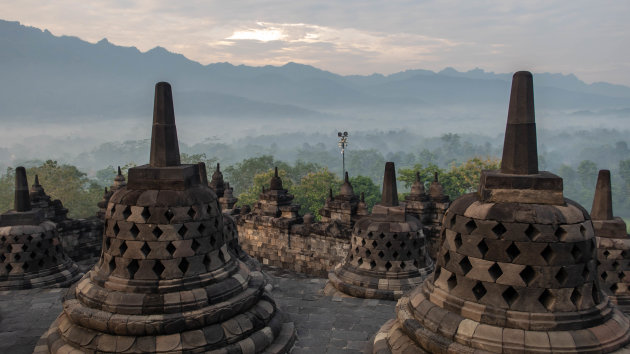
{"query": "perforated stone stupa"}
[(166, 280), (31, 254), (613, 245), (388, 253), (517, 269)]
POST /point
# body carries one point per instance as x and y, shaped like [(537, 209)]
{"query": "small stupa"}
[(613, 245), (344, 207), (31, 253), (387, 255), (167, 281), (516, 272)]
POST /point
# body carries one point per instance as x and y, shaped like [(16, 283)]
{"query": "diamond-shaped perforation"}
[(372, 264), (613, 288), (395, 236), (604, 275), (381, 235), (8, 267), (108, 243), (403, 265), (403, 245), (616, 265), (191, 212), (201, 228), (452, 281), (213, 240), (527, 274), (576, 297), (146, 214), (2, 257), (17, 257), (482, 247), (606, 253), (29, 238), (368, 253), (585, 272), (145, 249), (531, 232), (576, 252), (510, 295), (621, 275), (547, 299), (548, 254), (395, 254), (370, 234), (123, 248), (381, 254), (512, 251), (470, 226), (168, 214), (158, 268), (388, 265), (436, 273), (221, 256), (388, 244), (24, 248), (624, 254), (40, 263), (447, 257), (127, 212), (25, 266), (133, 267), (134, 231), (479, 291), (171, 248), (182, 230), (33, 255), (495, 271), (157, 232), (116, 229), (363, 242), (360, 261), (458, 241), (206, 261), (465, 265), (374, 244), (562, 275), (183, 265), (499, 229), (583, 230), (560, 233), (111, 264)]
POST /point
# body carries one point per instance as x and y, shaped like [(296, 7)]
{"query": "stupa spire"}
[(390, 192), (602, 202), (164, 144), (22, 200), (520, 153)]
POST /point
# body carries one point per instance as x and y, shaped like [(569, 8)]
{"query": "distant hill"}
[(46, 77)]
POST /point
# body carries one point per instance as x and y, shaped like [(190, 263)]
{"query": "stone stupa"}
[(387, 255), (516, 272), (31, 254), (613, 245), (166, 280)]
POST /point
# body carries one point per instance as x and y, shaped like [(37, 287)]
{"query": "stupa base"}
[(61, 276), (421, 326)]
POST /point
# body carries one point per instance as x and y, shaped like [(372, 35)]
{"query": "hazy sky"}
[(588, 38)]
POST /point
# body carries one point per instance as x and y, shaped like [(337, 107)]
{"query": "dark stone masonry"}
[(517, 268), (178, 267), (166, 280)]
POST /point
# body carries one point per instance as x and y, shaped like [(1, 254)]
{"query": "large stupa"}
[(167, 281), (516, 271)]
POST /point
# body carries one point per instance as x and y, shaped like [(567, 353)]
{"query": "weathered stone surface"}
[(387, 253), (167, 269), (516, 270), (31, 253)]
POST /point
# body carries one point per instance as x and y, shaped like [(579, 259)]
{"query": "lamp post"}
[(343, 142)]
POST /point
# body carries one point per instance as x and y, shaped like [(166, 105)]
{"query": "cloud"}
[(359, 36)]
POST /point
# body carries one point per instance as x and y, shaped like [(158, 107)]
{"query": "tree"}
[(371, 191), (313, 189), (241, 175), (260, 180)]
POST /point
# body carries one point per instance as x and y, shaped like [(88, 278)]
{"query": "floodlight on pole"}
[(343, 142)]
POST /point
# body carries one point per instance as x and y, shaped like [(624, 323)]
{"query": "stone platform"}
[(324, 324)]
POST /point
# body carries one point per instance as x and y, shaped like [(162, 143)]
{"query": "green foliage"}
[(65, 182), (251, 195), (313, 189), (457, 180), (372, 192), (196, 158), (105, 177), (241, 175)]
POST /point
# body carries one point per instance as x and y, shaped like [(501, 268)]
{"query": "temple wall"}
[(81, 238), (313, 249)]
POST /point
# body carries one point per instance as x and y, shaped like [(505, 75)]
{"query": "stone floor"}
[(324, 324)]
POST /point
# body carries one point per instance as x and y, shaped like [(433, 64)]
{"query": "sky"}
[(584, 37)]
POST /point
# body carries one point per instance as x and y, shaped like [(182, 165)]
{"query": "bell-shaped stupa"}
[(387, 255), (516, 272), (613, 245), (167, 281), (31, 254)]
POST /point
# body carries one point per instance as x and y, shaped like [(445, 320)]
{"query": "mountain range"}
[(61, 78)]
